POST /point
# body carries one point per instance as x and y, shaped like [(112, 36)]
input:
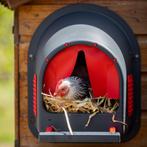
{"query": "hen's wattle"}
[(72, 88)]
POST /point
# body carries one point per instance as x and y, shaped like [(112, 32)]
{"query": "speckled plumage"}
[(78, 88)]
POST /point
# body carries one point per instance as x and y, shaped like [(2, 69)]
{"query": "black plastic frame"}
[(80, 118), (118, 30)]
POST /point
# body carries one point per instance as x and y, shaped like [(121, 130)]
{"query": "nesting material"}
[(88, 105)]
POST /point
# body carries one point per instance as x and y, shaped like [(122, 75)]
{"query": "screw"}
[(95, 44), (136, 56), (46, 59), (66, 44), (30, 56), (115, 60)]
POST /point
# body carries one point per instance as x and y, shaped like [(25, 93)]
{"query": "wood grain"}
[(142, 40), (133, 12), (106, 2), (16, 71)]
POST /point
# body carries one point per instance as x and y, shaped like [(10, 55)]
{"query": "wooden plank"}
[(144, 91), (59, 2), (134, 12), (34, 18), (142, 40), (16, 71), (23, 57)]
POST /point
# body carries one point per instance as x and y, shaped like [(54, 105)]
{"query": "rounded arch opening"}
[(88, 62)]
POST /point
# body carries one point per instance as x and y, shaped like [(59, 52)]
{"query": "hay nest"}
[(88, 105)]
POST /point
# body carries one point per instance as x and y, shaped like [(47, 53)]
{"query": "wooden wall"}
[(28, 17)]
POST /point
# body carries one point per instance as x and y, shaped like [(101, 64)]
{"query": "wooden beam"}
[(16, 71)]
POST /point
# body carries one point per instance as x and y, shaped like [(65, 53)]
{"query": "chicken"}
[(72, 88)]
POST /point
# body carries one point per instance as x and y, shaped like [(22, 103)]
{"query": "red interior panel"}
[(102, 71)]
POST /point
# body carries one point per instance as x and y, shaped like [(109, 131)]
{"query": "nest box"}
[(97, 37)]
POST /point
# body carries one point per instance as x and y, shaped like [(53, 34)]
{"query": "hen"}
[(72, 88)]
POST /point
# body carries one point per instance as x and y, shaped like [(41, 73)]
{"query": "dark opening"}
[(80, 69)]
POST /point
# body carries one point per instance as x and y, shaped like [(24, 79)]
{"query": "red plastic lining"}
[(35, 94), (102, 71), (130, 95)]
